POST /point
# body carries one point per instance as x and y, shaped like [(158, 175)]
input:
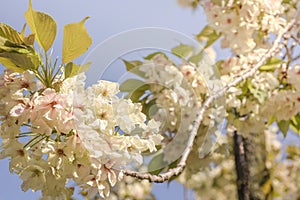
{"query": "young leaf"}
[(283, 126), (150, 56), (135, 88), (150, 108), (295, 124), (196, 58), (71, 69), (29, 39), (10, 65), (12, 47), (10, 34), (136, 95), (133, 67), (17, 56), (133, 84), (209, 34), (76, 41), (132, 64), (182, 50), (7, 44), (23, 61), (260, 95), (271, 64), (271, 120), (42, 25), (155, 165)]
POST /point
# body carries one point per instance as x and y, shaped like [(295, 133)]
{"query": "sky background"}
[(108, 18)]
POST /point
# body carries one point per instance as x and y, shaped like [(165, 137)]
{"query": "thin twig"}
[(296, 39), (296, 58), (277, 46)]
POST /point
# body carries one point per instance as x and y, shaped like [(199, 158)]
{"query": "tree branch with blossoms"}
[(274, 50), (55, 129)]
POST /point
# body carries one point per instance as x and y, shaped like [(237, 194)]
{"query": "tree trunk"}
[(250, 160), (242, 167)]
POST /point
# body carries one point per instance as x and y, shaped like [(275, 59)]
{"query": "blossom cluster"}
[(179, 91), (247, 28), (246, 24), (86, 135)]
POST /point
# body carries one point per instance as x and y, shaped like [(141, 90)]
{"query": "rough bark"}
[(255, 151), (242, 167), (250, 159)]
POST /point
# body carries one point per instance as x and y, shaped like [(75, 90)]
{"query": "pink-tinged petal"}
[(17, 110), (112, 177)]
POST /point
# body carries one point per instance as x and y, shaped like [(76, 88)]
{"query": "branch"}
[(296, 58), (296, 39), (277, 46)]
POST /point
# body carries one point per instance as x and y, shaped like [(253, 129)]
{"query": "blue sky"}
[(108, 18)]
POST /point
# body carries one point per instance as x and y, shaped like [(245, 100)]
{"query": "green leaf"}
[(295, 123), (10, 34), (286, 1), (71, 69), (76, 41), (271, 120), (212, 39), (150, 108), (196, 58), (135, 88), (5, 43), (284, 126), (209, 34), (293, 152), (130, 65), (219, 65), (11, 47), (271, 64), (133, 84), (29, 39), (150, 56), (42, 25), (156, 164), (182, 50), (18, 57), (245, 85), (22, 61), (260, 95), (195, 4), (10, 65), (259, 37), (218, 2), (133, 67), (206, 32), (136, 95)]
